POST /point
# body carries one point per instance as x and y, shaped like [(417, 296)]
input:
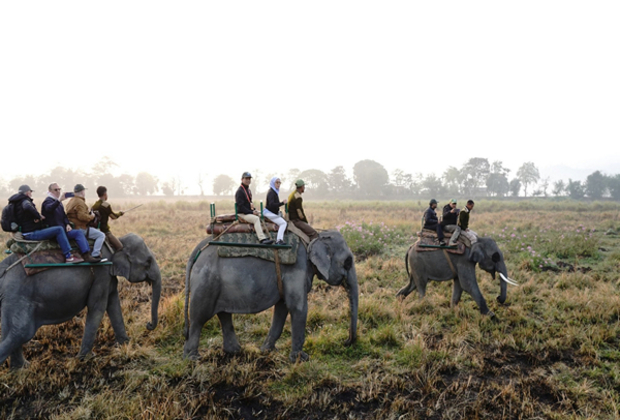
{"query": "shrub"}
[(366, 239)]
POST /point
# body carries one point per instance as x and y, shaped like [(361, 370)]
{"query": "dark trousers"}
[(306, 228), (437, 227), (113, 241)]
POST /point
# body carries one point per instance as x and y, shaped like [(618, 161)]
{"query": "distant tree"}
[(559, 187), (544, 186), (201, 181), (292, 176), (474, 174), (223, 184), (371, 177), (497, 185), (528, 174), (596, 185), (146, 184), (432, 186), (66, 178), (515, 187), (127, 183), (575, 189), (452, 180), (316, 182), (613, 183), (402, 182), (338, 180), (104, 166), (31, 181), (168, 188)]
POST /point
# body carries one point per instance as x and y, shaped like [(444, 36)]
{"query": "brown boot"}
[(90, 259)]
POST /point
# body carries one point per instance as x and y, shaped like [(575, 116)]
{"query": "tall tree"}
[(474, 174), (432, 186), (370, 177), (558, 188), (575, 189), (316, 181), (223, 184), (613, 182), (596, 185), (338, 181), (146, 184), (528, 174), (515, 187), (452, 180)]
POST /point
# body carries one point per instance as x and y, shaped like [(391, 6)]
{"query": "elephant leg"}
[(199, 315), (457, 291), (473, 289), (97, 305), (116, 316), (231, 344), (405, 291), (298, 331), (16, 331), (280, 312)]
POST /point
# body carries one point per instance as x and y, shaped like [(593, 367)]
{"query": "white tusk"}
[(507, 280)]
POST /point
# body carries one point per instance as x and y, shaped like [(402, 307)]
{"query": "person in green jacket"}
[(296, 210), (463, 222)]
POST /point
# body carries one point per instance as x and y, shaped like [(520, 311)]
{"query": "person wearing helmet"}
[(296, 210), (431, 221)]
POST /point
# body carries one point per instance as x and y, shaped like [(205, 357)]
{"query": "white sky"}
[(182, 88)]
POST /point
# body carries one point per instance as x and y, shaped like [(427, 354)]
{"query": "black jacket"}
[(449, 218), (273, 201), (243, 198), (54, 213), (26, 213), (430, 218)]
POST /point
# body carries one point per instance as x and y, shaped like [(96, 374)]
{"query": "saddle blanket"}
[(241, 227), (49, 256), (430, 238), (19, 247), (288, 256)]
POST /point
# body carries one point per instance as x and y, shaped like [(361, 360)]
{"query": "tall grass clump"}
[(366, 239)]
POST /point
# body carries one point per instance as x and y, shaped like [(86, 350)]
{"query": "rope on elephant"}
[(24, 257), (450, 263)]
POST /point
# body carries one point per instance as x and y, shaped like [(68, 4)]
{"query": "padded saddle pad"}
[(288, 256)]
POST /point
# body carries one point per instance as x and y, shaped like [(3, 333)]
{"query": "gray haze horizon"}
[(202, 89)]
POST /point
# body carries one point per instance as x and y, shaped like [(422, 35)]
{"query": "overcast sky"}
[(182, 88)]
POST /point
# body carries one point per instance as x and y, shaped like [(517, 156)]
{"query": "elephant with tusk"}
[(461, 269), (247, 285), (58, 294)]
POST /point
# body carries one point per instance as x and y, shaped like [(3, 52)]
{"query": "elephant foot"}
[(491, 315), (267, 348), (192, 357), (123, 340), (86, 356), (22, 364), (501, 302), (232, 349), (300, 356), (402, 293)]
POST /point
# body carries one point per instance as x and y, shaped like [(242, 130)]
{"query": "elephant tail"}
[(407, 261)]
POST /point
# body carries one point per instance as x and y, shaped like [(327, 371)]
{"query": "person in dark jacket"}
[(54, 213), (449, 221), (431, 221), (31, 223), (105, 211), (272, 209), (246, 210), (464, 222)]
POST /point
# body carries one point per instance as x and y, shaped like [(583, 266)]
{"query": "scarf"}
[(272, 184)]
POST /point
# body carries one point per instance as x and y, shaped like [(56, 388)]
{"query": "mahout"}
[(226, 286), (58, 294)]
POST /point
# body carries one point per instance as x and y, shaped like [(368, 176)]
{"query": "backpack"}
[(9, 219)]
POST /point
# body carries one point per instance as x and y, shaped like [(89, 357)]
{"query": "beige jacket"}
[(78, 213)]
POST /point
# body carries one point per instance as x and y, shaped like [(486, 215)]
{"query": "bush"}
[(366, 239)]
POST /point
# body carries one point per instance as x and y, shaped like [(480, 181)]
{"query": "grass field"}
[(553, 351)]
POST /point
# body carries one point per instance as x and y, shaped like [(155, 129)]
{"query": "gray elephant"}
[(225, 286), (433, 265), (58, 294)]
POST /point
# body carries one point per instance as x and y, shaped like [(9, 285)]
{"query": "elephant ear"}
[(321, 258), (120, 265), (476, 255)]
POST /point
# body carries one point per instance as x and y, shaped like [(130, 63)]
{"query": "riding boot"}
[(90, 259)]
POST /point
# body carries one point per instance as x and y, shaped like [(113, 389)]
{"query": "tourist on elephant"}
[(449, 221), (246, 210), (30, 222), (80, 216), (272, 208), (54, 213), (106, 213), (431, 222), (296, 210)]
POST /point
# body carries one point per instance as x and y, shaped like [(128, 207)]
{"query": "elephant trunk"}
[(353, 290), (156, 284)]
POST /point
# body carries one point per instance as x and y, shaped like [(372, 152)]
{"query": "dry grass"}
[(552, 353)]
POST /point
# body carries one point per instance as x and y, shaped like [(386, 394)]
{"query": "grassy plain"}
[(552, 353)]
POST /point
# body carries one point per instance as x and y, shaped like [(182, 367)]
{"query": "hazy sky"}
[(182, 88)]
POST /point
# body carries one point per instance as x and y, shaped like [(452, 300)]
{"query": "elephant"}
[(225, 286), (433, 265), (58, 294)]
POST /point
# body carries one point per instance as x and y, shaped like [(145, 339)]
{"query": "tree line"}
[(476, 178)]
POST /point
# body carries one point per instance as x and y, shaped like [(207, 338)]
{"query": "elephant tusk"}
[(507, 280)]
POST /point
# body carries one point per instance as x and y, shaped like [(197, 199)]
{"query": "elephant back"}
[(288, 256)]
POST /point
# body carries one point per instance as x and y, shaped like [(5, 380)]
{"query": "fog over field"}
[(191, 90)]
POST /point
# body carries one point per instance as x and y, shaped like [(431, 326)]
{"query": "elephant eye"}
[(495, 257), (348, 263)]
